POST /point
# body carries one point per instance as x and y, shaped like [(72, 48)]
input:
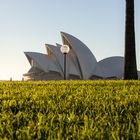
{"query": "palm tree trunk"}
[(130, 66)]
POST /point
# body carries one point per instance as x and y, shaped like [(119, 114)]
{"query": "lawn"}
[(70, 110)]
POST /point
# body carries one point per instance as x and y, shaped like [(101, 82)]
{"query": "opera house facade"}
[(81, 63)]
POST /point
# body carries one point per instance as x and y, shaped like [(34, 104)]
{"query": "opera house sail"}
[(81, 63)]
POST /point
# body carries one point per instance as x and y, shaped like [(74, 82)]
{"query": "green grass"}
[(70, 110)]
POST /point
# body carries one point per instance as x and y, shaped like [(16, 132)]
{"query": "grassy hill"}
[(70, 110)]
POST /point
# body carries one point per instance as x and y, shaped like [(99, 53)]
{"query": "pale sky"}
[(26, 25)]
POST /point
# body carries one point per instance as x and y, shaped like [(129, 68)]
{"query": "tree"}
[(130, 66)]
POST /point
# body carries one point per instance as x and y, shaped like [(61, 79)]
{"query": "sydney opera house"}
[(81, 63)]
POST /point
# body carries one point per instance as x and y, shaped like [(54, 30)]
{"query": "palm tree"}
[(130, 66)]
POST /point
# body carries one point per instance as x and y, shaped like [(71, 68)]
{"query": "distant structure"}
[(81, 63), (10, 78)]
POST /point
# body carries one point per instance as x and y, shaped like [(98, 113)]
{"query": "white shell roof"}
[(55, 51), (43, 61), (80, 60), (85, 58), (71, 56), (71, 68), (111, 66), (58, 45)]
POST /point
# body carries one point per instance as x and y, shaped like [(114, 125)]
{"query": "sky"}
[(27, 25)]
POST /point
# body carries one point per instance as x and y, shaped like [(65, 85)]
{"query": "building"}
[(81, 63)]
